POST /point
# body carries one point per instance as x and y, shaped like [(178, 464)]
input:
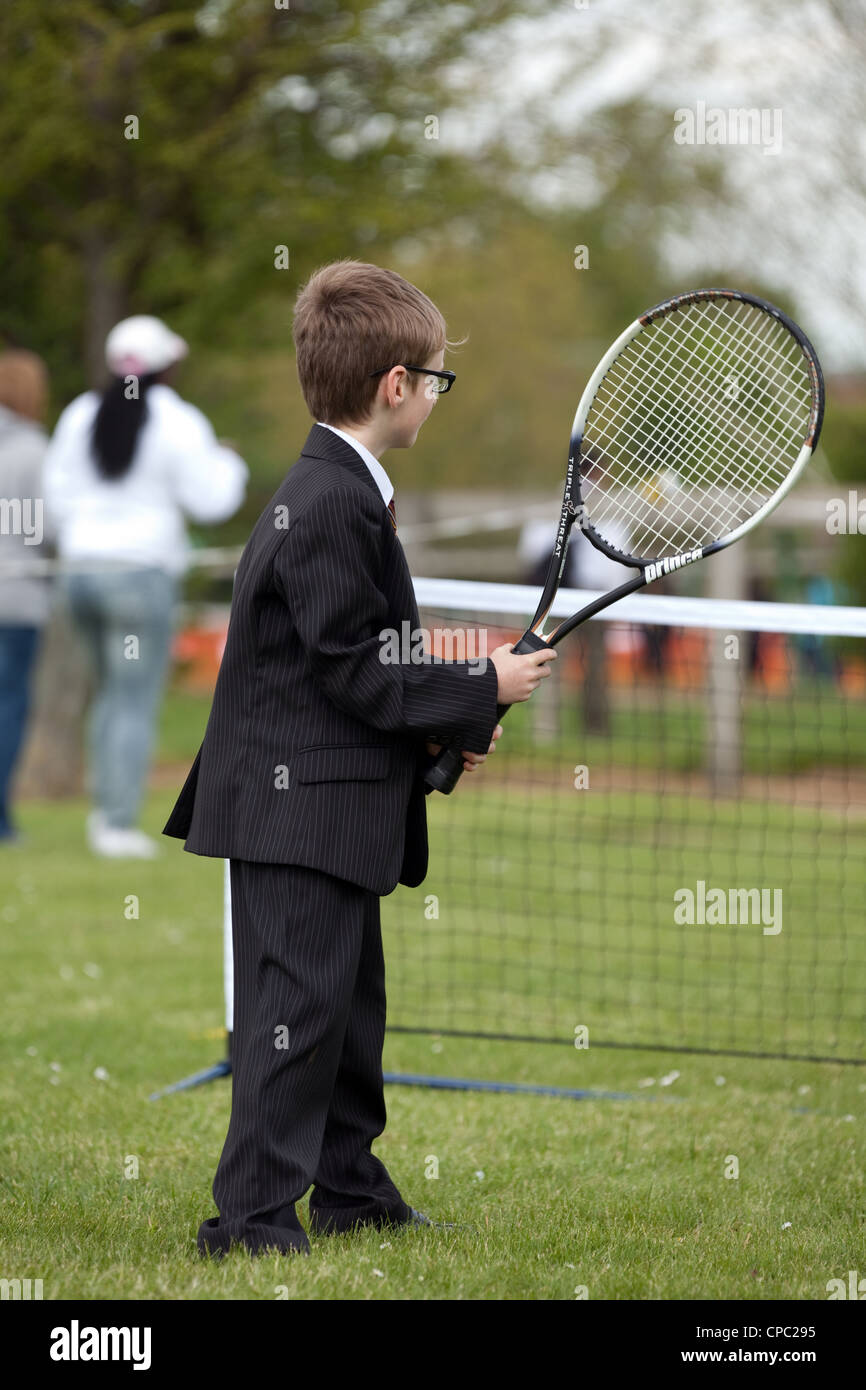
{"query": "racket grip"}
[(444, 774), (528, 643)]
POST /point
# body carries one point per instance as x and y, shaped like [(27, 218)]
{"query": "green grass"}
[(627, 1198), (183, 719)]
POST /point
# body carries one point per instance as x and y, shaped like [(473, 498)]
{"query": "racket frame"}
[(572, 505), (446, 769)]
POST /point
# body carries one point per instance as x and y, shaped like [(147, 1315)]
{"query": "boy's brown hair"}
[(351, 319)]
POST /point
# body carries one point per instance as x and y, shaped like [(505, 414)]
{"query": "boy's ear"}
[(408, 384)]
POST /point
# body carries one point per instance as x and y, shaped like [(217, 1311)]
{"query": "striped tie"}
[(393, 513)]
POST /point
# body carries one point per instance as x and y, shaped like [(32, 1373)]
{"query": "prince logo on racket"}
[(674, 562)]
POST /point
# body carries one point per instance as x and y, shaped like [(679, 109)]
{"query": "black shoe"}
[(326, 1227), (258, 1239)]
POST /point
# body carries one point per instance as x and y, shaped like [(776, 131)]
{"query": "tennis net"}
[(668, 849)]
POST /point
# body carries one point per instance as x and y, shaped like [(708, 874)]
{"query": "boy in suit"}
[(309, 777)]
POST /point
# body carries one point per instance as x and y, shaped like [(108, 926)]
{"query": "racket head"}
[(694, 425)]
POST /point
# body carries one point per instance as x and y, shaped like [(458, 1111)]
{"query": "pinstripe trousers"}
[(307, 1091)]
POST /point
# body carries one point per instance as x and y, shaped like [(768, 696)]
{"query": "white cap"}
[(141, 345)]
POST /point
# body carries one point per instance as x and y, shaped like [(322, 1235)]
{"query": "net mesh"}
[(696, 424), (667, 849)]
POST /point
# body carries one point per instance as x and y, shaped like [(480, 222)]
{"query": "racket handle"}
[(445, 772)]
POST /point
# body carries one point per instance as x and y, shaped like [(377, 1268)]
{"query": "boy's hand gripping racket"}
[(693, 427)]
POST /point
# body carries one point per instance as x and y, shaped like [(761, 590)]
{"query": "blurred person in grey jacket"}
[(24, 591), (123, 470)]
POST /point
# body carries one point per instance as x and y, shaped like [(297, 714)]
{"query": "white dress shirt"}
[(380, 477)]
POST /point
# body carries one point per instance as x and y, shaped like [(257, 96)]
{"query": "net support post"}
[(727, 577)]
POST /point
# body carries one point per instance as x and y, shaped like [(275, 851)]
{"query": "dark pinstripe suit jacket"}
[(314, 747)]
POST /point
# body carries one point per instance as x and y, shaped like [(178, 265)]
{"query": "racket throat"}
[(529, 642)]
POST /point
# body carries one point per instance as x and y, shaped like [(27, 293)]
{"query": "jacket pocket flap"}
[(354, 762)]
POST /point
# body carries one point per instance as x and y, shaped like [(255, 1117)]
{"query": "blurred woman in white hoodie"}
[(123, 470)]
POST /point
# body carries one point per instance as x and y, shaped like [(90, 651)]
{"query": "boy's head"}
[(353, 319)]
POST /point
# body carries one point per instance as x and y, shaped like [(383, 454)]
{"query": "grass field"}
[(113, 989), (627, 1198)]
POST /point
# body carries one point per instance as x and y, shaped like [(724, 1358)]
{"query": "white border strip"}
[(520, 601)]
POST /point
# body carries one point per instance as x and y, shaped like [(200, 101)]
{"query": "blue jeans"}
[(125, 619), (18, 647)]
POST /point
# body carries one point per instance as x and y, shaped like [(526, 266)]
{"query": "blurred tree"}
[(173, 146), (185, 158)]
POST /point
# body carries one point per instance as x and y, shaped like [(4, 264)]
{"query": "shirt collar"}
[(380, 477)]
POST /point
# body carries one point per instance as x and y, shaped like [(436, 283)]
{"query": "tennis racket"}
[(693, 427)]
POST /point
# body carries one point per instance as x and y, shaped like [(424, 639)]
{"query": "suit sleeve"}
[(327, 570)]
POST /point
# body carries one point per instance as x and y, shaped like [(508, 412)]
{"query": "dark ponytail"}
[(117, 424)]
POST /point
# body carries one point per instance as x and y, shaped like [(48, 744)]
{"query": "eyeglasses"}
[(443, 381)]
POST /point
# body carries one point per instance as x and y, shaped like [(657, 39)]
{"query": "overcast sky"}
[(795, 218)]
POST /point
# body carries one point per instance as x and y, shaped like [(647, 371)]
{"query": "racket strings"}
[(688, 333), (685, 333), (696, 424), (678, 434), (685, 436), (638, 479), (793, 419), (700, 431)]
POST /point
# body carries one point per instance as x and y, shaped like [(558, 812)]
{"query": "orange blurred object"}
[(197, 653)]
